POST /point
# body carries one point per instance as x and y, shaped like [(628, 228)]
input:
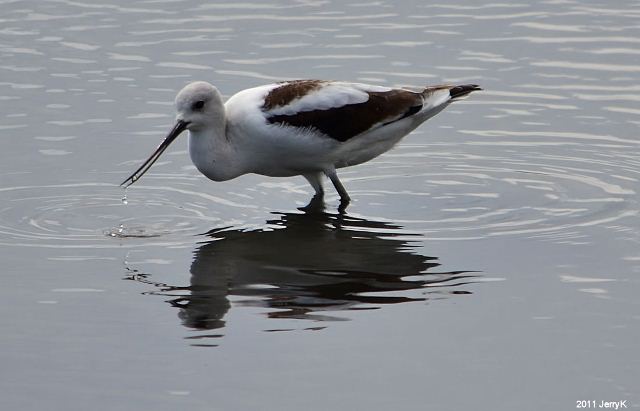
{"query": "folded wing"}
[(338, 110)]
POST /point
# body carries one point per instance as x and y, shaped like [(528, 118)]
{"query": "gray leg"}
[(344, 197), (315, 179)]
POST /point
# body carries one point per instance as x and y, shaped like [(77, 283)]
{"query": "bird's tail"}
[(454, 92), (462, 91), (436, 98)]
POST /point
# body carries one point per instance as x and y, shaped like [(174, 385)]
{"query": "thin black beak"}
[(175, 132)]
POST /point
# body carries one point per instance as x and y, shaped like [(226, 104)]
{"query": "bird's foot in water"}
[(344, 203), (316, 205)]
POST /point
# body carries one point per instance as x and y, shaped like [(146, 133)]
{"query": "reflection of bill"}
[(304, 264)]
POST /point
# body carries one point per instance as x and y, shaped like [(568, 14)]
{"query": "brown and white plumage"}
[(301, 127)]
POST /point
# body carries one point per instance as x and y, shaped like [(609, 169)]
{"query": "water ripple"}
[(79, 215), (549, 196)]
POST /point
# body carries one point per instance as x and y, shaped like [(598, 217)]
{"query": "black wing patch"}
[(346, 122)]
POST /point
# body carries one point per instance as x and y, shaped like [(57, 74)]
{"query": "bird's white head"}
[(199, 105)]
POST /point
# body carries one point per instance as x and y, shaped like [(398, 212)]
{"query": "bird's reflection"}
[(305, 265)]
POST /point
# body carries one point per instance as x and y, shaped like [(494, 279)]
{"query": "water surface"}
[(490, 261)]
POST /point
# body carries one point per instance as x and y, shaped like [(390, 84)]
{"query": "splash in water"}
[(123, 231), (116, 231)]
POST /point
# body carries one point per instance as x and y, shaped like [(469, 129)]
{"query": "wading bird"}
[(301, 127)]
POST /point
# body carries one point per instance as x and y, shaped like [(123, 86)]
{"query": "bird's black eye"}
[(198, 105)]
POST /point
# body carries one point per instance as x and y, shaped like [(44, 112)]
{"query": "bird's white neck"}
[(214, 154)]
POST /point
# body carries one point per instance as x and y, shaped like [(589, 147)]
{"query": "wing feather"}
[(337, 109)]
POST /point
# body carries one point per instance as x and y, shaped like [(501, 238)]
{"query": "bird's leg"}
[(315, 179), (316, 205), (344, 196)]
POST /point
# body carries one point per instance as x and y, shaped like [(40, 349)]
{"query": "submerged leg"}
[(344, 196), (315, 179), (316, 205)]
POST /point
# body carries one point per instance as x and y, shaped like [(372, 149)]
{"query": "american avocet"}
[(301, 127)]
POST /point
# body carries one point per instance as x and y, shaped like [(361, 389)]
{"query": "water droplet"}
[(124, 198), (121, 229)]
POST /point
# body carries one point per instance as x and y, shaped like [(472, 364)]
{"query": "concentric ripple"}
[(93, 214), (445, 192), (529, 194)]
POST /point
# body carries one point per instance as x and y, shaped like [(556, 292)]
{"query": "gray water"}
[(488, 262)]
